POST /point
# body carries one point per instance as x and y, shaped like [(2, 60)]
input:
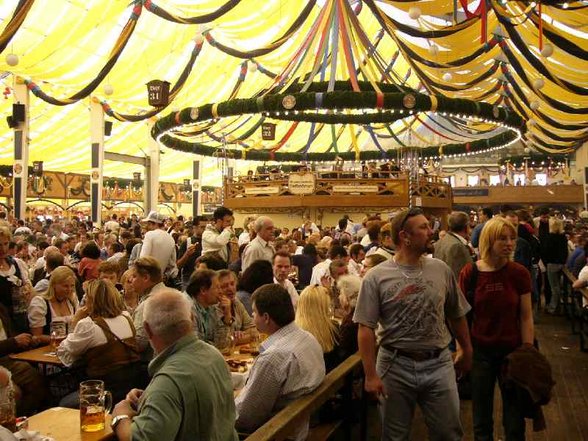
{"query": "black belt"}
[(430, 354)]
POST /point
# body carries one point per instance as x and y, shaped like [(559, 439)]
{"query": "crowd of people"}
[(150, 304)]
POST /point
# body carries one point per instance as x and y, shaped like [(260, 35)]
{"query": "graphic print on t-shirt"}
[(417, 309)]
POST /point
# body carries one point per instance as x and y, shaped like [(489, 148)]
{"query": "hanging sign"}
[(268, 131), (261, 191), (158, 93), (38, 168), (355, 188), (463, 192), (301, 183)]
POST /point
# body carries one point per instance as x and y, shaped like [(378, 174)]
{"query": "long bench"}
[(339, 380), (574, 309)]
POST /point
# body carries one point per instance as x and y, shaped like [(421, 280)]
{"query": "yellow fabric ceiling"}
[(63, 44)]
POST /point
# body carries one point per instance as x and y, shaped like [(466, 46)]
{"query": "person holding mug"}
[(95, 403)]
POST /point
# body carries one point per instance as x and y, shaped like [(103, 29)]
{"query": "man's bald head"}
[(168, 313)]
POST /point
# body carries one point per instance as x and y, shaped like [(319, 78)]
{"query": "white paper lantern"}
[(547, 50), (199, 39), (534, 105), (108, 89), (538, 83), (414, 12), (434, 50), (447, 76), (252, 66), (527, 149), (12, 59)]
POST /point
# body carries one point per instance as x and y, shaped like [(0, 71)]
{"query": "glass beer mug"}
[(95, 403), (58, 334)]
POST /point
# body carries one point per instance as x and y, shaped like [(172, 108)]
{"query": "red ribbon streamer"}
[(379, 100), (286, 137), (464, 5), (484, 13)]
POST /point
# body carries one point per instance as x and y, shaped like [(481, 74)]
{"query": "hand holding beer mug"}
[(95, 403)]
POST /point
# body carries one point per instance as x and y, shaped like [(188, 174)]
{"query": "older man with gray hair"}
[(453, 249), (260, 248), (190, 395)]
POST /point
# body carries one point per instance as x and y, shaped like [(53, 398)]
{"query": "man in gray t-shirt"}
[(410, 299)]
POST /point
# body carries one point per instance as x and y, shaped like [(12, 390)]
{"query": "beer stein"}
[(58, 334), (95, 403)]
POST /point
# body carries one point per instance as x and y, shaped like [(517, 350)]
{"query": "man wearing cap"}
[(160, 245)]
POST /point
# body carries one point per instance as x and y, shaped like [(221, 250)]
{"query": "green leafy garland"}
[(292, 105), (534, 157)]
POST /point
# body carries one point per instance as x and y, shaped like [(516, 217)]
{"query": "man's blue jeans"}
[(430, 384), (485, 371)]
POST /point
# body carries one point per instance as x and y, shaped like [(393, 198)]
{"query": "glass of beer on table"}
[(95, 403), (58, 334)]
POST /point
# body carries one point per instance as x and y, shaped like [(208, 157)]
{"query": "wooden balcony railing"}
[(334, 189)]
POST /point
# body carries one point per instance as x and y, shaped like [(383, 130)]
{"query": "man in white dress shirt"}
[(356, 256), (321, 270), (218, 234), (112, 225), (260, 248), (282, 267), (160, 245)]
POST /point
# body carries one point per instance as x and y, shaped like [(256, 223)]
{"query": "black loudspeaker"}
[(18, 112), (10, 121), (107, 128), (586, 175)]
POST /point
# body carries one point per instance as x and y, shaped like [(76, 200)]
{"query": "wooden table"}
[(39, 355), (63, 424)]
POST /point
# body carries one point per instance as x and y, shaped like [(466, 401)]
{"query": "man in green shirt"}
[(190, 395)]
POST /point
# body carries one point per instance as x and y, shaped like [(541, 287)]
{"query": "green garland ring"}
[(363, 107)]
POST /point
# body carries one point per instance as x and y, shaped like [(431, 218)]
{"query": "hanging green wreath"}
[(342, 106)]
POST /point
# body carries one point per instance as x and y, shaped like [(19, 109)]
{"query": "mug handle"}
[(107, 402)]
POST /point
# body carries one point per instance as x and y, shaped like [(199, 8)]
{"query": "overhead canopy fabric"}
[(217, 50)]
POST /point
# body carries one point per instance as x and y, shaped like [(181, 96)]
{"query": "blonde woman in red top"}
[(502, 321)]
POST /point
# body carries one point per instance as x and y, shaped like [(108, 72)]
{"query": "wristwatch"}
[(117, 419)]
